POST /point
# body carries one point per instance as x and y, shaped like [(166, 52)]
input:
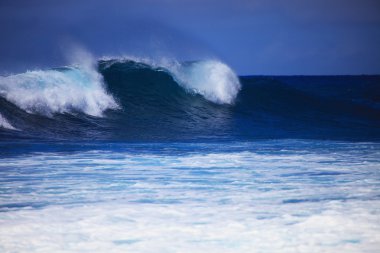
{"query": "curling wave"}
[(138, 100), (212, 79)]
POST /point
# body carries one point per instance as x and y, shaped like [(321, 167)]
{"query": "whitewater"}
[(268, 196), (125, 154)]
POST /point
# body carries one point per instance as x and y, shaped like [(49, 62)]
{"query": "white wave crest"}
[(212, 79), (5, 124), (58, 91)]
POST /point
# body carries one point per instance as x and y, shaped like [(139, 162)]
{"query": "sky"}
[(256, 37)]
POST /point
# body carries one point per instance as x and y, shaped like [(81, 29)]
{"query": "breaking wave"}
[(63, 90), (81, 89), (141, 99), (212, 79)]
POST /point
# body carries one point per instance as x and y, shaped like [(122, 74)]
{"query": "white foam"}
[(78, 88), (5, 124), (111, 227), (212, 79), (200, 202)]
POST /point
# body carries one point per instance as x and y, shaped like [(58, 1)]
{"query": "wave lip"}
[(63, 90), (212, 79)]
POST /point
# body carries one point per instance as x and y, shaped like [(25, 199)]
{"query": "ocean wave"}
[(81, 89), (141, 99)]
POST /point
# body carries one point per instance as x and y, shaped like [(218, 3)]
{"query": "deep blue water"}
[(139, 156)]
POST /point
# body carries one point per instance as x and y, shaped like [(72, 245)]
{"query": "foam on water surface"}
[(279, 197)]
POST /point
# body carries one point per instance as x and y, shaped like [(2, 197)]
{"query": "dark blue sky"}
[(253, 37)]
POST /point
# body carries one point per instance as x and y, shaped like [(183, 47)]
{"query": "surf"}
[(137, 99), (81, 88)]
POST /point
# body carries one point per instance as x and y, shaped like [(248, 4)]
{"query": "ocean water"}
[(135, 155)]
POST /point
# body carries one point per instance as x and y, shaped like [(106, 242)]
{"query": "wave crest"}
[(61, 90), (212, 79)]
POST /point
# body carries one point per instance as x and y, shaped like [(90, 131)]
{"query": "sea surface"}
[(136, 155)]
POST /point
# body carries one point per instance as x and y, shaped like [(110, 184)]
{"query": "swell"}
[(329, 107), (130, 100)]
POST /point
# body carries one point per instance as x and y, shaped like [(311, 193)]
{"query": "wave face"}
[(138, 100)]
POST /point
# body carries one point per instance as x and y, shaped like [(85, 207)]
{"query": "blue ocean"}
[(141, 155)]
